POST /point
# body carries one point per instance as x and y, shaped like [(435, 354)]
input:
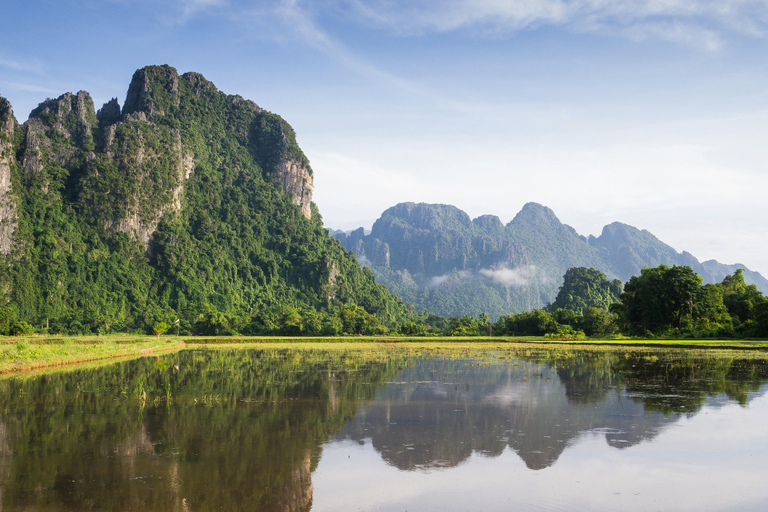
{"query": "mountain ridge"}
[(453, 265)]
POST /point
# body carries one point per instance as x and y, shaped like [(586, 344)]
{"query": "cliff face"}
[(8, 128), (297, 182), (151, 166), (133, 163), (184, 198), (58, 135), (273, 144)]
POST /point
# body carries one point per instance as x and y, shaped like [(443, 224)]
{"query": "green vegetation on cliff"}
[(188, 203)]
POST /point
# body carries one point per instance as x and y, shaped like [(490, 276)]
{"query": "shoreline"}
[(32, 354)]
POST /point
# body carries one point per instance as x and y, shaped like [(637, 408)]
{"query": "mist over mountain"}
[(438, 258), (185, 203)]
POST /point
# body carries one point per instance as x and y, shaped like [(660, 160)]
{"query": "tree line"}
[(661, 302)]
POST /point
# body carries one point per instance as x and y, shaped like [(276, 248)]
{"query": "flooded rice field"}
[(391, 429)]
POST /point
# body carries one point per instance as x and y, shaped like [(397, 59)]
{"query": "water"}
[(391, 430)]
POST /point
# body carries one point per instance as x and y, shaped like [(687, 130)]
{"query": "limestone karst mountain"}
[(437, 258), (184, 202)]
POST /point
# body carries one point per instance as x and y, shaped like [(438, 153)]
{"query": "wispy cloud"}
[(517, 277), (20, 66), (179, 12), (697, 23), (190, 7), (30, 88), (300, 20)]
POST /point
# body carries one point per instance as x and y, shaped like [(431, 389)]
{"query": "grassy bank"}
[(450, 340), (19, 355)]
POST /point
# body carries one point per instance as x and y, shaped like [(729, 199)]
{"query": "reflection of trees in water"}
[(441, 411), (587, 376), (682, 381), (243, 429), (216, 430)]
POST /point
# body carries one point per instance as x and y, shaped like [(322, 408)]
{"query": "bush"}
[(21, 329)]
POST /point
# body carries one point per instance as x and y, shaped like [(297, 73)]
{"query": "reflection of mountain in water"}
[(216, 430), (438, 412), (243, 429)]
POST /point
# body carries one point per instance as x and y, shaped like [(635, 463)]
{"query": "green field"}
[(33, 353)]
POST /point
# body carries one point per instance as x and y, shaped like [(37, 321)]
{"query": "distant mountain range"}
[(436, 257)]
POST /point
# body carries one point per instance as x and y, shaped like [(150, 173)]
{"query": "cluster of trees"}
[(661, 301), (672, 301)]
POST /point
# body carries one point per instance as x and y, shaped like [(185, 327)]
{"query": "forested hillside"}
[(185, 203), (437, 258)]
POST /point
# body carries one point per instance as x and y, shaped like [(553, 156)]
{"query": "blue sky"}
[(648, 112)]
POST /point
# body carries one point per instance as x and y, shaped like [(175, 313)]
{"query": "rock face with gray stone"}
[(131, 164), (297, 182), (8, 220)]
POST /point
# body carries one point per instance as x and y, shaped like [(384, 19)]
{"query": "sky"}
[(648, 112)]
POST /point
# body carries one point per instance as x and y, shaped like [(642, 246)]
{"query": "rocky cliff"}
[(185, 199), (8, 128)]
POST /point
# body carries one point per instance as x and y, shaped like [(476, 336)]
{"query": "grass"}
[(623, 341), (34, 353), (26, 354)]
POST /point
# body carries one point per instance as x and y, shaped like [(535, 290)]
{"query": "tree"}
[(160, 328), (528, 323), (740, 298), (659, 299), (21, 329), (585, 288), (596, 322)]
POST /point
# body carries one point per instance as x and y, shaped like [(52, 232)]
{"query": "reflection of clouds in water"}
[(685, 468), (510, 394)]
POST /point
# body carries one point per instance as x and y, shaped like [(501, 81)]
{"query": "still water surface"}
[(392, 430)]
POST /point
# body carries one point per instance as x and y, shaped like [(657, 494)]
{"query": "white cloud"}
[(517, 277), (690, 22), (31, 88), (19, 66), (438, 280), (191, 7), (364, 262)]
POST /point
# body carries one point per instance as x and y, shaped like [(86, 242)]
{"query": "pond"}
[(391, 428)]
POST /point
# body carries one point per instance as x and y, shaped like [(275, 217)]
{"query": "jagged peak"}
[(535, 214), (488, 222), (80, 103), (7, 119), (198, 84), (153, 89), (426, 216), (73, 115), (237, 100), (109, 113), (624, 233)]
